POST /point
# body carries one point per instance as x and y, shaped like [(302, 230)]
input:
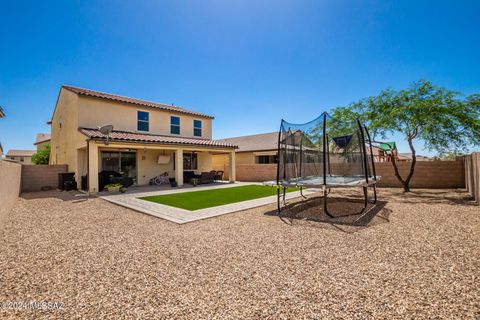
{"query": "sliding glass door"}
[(124, 163)]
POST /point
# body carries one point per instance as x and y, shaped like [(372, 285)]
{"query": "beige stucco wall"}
[(123, 116), (148, 167), (219, 160), (204, 162), (65, 137), (10, 175), (26, 160)]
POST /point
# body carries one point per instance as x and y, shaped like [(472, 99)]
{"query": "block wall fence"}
[(428, 174), (34, 177)]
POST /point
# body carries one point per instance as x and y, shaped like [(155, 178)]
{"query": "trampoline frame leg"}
[(279, 209), (365, 203), (374, 194), (325, 203), (301, 193), (280, 197)]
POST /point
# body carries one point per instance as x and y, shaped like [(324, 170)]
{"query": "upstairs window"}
[(142, 121), (197, 128), (174, 125)]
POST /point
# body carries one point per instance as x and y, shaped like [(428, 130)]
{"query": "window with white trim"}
[(142, 121), (197, 128), (174, 125)]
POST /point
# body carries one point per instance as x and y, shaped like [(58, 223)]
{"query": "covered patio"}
[(142, 156)]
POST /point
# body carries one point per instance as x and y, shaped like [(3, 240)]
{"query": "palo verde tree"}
[(444, 120)]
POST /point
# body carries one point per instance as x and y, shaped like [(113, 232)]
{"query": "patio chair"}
[(207, 177), (189, 175), (219, 175), (107, 177)]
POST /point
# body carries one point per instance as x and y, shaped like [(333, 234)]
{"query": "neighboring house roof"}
[(95, 134), (256, 142), (408, 156), (20, 153), (42, 137), (2, 113), (112, 97)]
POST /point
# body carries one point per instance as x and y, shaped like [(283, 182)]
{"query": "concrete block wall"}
[(431, 174), (428, 174), (38, 176)]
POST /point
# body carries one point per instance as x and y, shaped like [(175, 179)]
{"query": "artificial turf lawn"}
[(195, 200)]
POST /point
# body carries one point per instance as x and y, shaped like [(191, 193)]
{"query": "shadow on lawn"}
[(310, 211)]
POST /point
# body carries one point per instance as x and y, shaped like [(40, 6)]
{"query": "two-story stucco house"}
[(147, 139)]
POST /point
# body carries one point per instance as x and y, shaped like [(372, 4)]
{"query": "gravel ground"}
[(417, 258)]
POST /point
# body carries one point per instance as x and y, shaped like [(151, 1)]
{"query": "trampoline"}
[(326, 154)]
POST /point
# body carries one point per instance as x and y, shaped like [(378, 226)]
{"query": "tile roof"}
[(256, 142), (42, 137), (2, 113), (153, 138), (20, 153), (112, 97)]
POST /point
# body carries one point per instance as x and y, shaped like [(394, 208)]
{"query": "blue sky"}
[(249, 63)]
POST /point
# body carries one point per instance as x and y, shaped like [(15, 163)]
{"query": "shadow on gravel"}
[(72, 195), (457, 197), (310, 211)]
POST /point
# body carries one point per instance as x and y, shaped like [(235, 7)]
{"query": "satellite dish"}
[(105, 130)]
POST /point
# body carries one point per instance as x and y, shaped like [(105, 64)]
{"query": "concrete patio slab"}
[(180, 216)]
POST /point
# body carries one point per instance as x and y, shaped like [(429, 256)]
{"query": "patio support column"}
[(92, 167), (231, 166), (179, 167)]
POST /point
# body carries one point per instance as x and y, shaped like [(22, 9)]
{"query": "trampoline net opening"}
[(303, 159)]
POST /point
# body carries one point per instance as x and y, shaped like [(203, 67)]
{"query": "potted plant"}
[(113, 187)]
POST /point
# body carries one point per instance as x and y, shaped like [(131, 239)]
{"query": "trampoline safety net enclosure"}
[(318, 154)]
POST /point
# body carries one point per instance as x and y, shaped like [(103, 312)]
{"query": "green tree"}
[(444, 120), (42, 156)]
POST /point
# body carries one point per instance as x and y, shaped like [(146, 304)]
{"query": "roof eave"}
[(151, 142), (187, 112), (160, 143)]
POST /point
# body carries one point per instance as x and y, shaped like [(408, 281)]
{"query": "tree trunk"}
[(397, 173), (406, 186), (405, 183)]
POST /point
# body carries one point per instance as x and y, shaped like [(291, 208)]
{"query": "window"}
[(174, 125), (197, 128), (266, 159), (124, 163), (142, 121), (22, 159), (190, 161)]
